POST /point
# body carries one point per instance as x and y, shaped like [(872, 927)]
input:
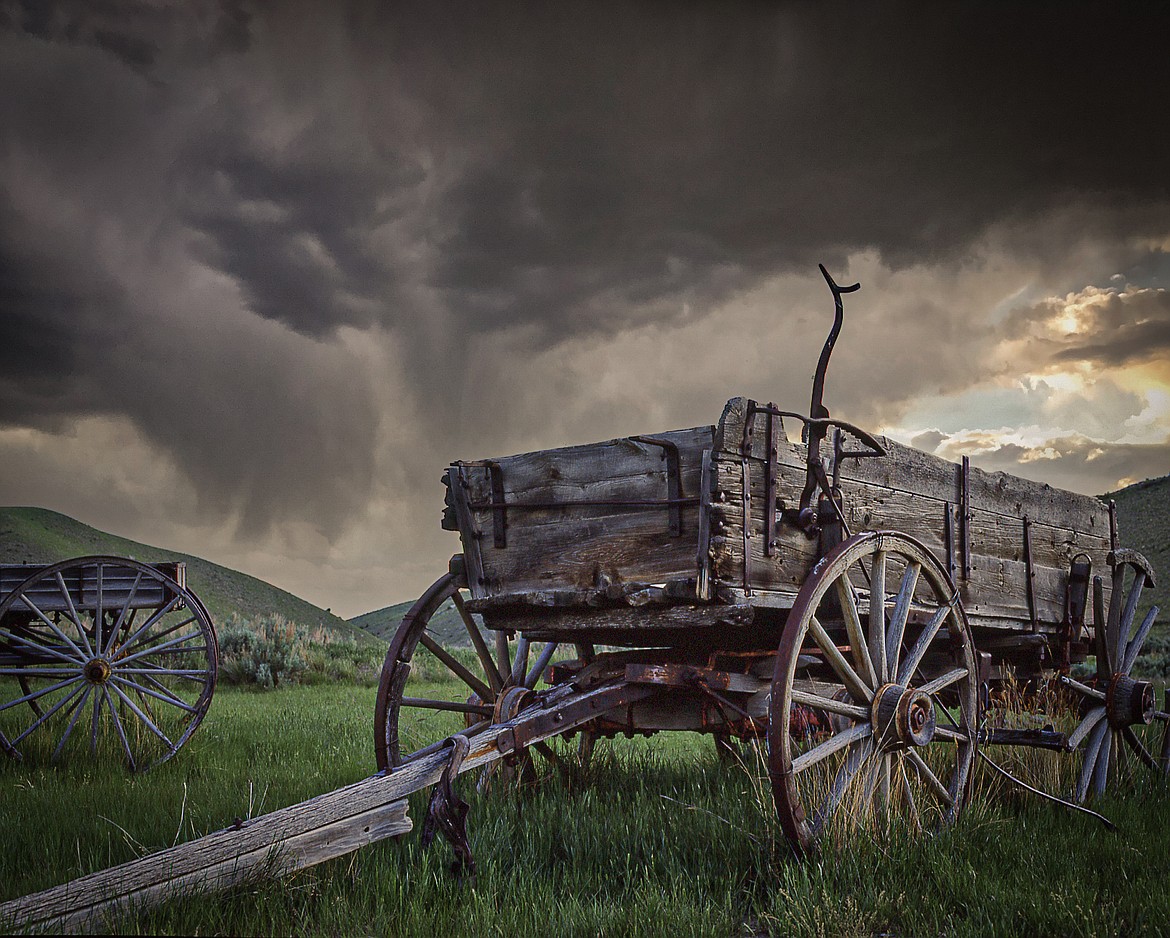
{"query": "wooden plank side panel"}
[(579, 546), (996, 589), (906, 469)]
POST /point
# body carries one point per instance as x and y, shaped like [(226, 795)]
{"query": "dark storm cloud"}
[(633, 152), (53, 315), (132, 31), (296, 237), (432, 173)]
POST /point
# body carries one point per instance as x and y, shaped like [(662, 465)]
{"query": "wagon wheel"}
[(1120, 712), (126, 664), (425, 698), (901, 674)]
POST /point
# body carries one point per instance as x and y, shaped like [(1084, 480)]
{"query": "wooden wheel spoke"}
[(454, 706), (74, 617), (1082, 688), (155, 617), (455, 667), (56, 629), (1092, 750), (900, 614), (491, 672), (1101, 769), (921, 645), (1126, 620), (857, 642), (167, 698), (940, 791), (850, 678), (138, 712), (127, 609), (952, 734), (41, 692), (1135, 647), (119, 727), (944, 681), (833, 744), (519, 661), (78, 709), (908, 794), (161, 646), (1139, 749), (877, 616), (503, 655), (541, 665), (27, 642), (830, 704), (39, 721), (1085, 727), (858, 753)]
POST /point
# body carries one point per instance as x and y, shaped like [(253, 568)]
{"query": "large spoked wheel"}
[(878, 642), (1120, 715), (104, 654), (447, 674)]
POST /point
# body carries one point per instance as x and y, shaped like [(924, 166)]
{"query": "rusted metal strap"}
[(747, 525), (1029, 574), (499, 510), (965, 518), (674, 495), (771, 470), (447, 812), (949, 538)]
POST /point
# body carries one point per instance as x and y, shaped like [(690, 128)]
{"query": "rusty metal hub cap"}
[(97, 671), (903, 717), (511, 702), (1129, 702)]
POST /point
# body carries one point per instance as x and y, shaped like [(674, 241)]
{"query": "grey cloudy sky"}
[(266, 268)]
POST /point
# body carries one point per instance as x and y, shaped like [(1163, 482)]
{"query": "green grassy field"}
[(655, 837)]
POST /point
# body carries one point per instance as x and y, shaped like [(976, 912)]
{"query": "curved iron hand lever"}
[(817, 427), (817, 408)]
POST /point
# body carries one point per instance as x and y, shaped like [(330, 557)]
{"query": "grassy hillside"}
[(37, 535), (384, 622), (1143, 522)]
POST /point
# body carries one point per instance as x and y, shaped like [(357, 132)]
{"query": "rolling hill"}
[(37, 535), (384, 623), (1143, 523)]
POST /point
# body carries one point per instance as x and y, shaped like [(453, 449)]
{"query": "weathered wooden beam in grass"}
[(293, 838), (282, 842)]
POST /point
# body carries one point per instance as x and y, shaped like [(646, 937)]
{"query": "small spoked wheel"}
[(103, 653), (1120, 714), (445, 673), (873, 714)]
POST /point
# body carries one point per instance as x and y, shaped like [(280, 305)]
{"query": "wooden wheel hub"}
[(1129, 701), (97, 671), (902, 717)]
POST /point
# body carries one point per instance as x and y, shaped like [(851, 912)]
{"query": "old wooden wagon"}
[(776, 576), (851, 603), (102, 653)]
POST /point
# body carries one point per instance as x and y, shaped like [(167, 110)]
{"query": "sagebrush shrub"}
[(270, 651)]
